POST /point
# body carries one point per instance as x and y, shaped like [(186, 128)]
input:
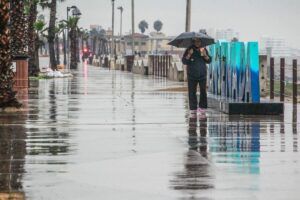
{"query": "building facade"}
[(226, 34), (275, 47)]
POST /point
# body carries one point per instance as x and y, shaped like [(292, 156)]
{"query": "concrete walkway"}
[(112, 135)]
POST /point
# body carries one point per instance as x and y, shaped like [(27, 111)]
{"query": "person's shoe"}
[(201, 110)]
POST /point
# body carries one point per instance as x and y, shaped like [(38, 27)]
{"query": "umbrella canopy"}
[(185, 40)]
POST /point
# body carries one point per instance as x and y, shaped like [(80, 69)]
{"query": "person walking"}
[(196, 58)]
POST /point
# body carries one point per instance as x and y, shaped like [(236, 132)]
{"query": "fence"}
[(160, 64), (283, 83)]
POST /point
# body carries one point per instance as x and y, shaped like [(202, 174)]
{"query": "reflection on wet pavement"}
[(112, 135), (198, 173)]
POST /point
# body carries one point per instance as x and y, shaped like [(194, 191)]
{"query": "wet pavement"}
[(112, 135)]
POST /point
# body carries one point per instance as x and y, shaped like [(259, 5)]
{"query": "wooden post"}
[(155, 65), (282, 78), (162, 66), (272, 75), (168, 65), (165, 66), (159, 65), (263, 74)]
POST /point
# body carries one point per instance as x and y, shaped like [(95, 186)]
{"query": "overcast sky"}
[(251, 18)]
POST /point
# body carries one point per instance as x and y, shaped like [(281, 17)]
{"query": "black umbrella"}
[(185, 40)]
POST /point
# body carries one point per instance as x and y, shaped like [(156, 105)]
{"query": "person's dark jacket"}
[(196, 65)]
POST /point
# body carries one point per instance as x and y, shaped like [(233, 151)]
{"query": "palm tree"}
[(57, 33), (39, 29), (7, 95), (52, 5), (62, 27), (143, 25), (33, 65), (18, 28), (80, 33), (158, 25), (72, 23)]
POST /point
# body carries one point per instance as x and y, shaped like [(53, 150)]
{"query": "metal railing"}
[(282, 80)]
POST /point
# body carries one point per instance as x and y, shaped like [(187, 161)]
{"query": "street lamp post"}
[(121, 12), (188, 16), (121, 15), (132, 21)]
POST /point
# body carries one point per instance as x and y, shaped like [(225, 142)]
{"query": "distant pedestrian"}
[(196, 58)]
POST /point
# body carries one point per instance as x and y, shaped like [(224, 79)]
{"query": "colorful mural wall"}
[(234, 71)]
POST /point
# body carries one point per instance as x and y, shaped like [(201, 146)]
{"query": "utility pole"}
[(132, 19), (113, 29), (121, 12), (188, 16), (121, 24)]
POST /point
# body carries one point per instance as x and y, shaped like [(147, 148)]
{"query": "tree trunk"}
[(36, 53), (7, 95), (73, 48), (18, 28), (51, 34), (78, 50), (65, 46), (33, 69), (57, 50)]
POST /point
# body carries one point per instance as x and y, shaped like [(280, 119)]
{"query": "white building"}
[(226, 34), (275, 47)]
